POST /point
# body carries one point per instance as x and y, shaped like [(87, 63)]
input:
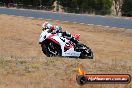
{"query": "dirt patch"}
[(23, 64)]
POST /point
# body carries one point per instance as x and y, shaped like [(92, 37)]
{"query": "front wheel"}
[(86, 52), (90, 54)]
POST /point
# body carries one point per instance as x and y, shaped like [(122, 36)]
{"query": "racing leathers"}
[(58, 29)]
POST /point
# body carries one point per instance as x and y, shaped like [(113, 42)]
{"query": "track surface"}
[(96, 20)]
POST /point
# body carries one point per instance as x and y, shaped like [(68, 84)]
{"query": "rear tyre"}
[(44, 49), (50, 49)]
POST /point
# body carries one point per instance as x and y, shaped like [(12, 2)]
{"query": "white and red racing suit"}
[(58, 29)]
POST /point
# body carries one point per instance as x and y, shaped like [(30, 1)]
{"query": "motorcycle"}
[(57, 45)]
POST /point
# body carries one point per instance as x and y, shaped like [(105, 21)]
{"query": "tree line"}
[(88, 6), (80, 6)]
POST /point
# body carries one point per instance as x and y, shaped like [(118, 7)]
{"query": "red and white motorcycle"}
[(57, 45)]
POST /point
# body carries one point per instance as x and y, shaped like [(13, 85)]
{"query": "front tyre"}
[(86, 52), (90, 54)]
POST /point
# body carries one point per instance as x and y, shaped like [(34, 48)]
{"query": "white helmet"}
[(58, 29), (44, 25)]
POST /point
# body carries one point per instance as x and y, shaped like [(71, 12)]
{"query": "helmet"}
[(58, 29), (44, 25)]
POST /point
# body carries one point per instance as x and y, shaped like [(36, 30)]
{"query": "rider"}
[(58, 29)]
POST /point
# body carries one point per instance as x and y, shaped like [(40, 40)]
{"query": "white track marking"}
[(90, 24), (75, 22), (66, 21), (20, 16), (49, 19), (57, 20), (31, 17), (81, 23), (40, 18)]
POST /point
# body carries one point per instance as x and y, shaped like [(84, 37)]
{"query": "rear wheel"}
[(50, 49)]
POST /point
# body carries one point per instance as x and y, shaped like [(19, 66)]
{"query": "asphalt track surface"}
[(96, 20)]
